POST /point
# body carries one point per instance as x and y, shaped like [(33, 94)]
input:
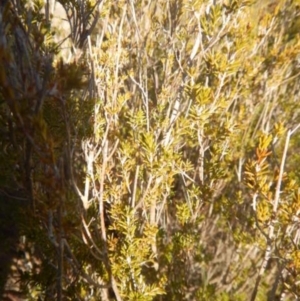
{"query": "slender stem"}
[(268, 252)]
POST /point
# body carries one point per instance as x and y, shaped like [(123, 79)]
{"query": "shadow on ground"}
[(10, 223)]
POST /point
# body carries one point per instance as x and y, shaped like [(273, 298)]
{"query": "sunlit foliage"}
[(158, 152)]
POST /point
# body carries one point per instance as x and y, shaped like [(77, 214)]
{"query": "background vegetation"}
[(150, 149)]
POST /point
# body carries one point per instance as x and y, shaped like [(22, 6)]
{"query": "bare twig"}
[(270, 237)]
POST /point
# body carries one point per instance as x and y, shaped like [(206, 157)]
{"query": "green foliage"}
[(159, 156)]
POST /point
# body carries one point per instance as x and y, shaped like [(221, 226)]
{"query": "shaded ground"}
[(10, 253)]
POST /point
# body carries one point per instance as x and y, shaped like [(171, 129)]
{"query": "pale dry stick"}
[(83, 197), (134, 186), (200, 30), (92, 88), (156, 84), (239, 169), (285, 70), (224, 149), (256, 126), (139, 85), (196, 47), (179, 59), (47, 11), (220, 35), (162, 206), (281, 171), (96, 107), (145, 99), (96, 62), (171, 21), (255, 51), (254, 204), (101, 190), (235, 97), (102, 220), (152, 217), (217, 95), (117, 56), (153, 207), (175, 112), (185, 176), (176, 107), (103, 31), (88, 233), (289, 79), (69, 164), (127, 182), (268, 117), (141, 202), (185, 191), (153, 204), (77, 190), (104, 139), (263, 267), (89, 158), (167, 70), (113, 149), (134, 19), (202, 150), (270, 236), (174, 84), (93, 253)]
